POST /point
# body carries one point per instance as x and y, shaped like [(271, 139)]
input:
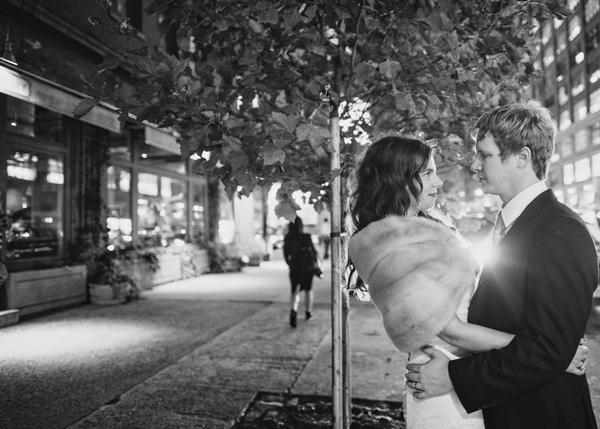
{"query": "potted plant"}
[(108, 283), (223, 258), (140, 263)]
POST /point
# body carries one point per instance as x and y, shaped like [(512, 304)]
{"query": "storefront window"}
[(226, 218), (33, 121), (198, 211), (119, 147), (162, 210), (119, 206), (152, 156), (34, 205)]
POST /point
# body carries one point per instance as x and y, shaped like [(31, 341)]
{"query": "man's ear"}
[(524, 157)]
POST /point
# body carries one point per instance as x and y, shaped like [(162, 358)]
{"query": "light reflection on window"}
[(34, 205), (119, 206), (162, 210)]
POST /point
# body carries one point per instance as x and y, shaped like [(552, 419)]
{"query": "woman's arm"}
[(477, 338), (473, 338)]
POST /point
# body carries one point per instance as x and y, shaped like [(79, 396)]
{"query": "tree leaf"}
[(287, 210), (289, 122), (84, 107), (389, 69), (273, 155)]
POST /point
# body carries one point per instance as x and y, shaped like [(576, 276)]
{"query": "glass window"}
[(548, 57), (566, 147), (582, 170), (572, 197), (591, 38), (152, 156), (591, 9), (162, 210), (580, 110), (33, 121), (34, 205), (576, 55), (577, 84), (595, 101), (199, 212), (568, 174), (119, 146), (581, 140), (564, 120), (557, 23), (119, 206), (226, 217), (596, 133), (546, 33), (596, 165), (593, 70), (561, 41), (574, 27), (562, 95)]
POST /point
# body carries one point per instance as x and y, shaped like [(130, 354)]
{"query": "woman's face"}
[(431, 183)]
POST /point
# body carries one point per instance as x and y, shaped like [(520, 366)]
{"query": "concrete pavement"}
[(188, 354), (237, 342), (210, 387)]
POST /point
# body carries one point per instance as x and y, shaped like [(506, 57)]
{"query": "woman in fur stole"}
[(416, 269)]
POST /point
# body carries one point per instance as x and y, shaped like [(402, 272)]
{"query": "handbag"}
[(312, 260)]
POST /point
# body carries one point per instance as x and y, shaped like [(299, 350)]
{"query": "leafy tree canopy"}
[(254, 84)]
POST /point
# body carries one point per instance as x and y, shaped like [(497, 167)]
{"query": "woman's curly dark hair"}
[(381, 185)]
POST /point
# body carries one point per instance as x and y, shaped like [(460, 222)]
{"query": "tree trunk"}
[(339, 327)]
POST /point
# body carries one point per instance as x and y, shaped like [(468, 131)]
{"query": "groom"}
[(539, 286)]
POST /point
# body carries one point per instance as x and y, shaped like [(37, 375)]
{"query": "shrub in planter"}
[(140, 263), (223, 258), (107, 281)]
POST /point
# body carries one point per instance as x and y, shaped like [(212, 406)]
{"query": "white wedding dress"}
[(442, 412)]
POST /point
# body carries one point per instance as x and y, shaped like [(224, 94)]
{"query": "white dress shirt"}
[(513, 209)]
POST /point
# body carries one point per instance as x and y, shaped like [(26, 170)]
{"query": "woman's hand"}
[(577, 365)]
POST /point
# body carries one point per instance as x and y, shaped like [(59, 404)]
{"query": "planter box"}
[(171, 269), (103, 294), (35, 291)]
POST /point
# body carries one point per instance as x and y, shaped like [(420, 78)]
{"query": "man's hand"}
[(431, 378)]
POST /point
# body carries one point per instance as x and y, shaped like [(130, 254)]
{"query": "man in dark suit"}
[(538, 285)]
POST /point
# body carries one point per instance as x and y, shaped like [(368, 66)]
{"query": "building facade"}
[(569, 85), (64, 180)]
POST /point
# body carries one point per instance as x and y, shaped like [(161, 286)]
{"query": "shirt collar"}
[(513, 209)]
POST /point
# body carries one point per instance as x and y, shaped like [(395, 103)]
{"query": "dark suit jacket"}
[(539, 287)]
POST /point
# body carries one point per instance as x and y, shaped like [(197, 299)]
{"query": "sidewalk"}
[(210, 387)]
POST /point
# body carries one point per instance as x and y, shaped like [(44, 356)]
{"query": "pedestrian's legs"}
[(327, 244), (295, 297), (295, 300), (308, 301)]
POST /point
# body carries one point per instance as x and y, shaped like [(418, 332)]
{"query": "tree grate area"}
[(276, 411)]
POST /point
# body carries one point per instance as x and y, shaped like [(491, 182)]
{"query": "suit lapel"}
[(494, 285), (532, 210)]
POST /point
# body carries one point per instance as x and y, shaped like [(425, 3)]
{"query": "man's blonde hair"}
[(520, 125)]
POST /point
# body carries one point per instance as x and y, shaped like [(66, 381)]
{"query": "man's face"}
[(493, 174)]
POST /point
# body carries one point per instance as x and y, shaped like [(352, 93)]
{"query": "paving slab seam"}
[(308, 361), (252, 355), (115, 401)]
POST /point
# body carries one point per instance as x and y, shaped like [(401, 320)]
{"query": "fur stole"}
[(417, 271)]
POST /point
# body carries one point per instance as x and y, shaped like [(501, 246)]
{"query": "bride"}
[(417, 270)]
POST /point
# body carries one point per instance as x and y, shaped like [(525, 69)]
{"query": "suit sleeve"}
[(561, 276)]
